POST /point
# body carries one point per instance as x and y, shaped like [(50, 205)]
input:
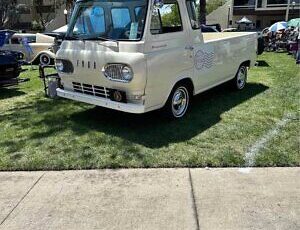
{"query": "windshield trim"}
[(70, 36)]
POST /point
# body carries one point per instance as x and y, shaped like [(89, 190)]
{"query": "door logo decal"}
[(204, 59)]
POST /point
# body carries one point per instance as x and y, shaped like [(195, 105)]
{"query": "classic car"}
[(10, 67), (37, 48)]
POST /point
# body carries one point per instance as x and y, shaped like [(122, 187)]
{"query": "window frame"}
[(199, 26), (160, 19)]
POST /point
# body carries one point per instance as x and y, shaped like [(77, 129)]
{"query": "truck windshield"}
[(108, 20)]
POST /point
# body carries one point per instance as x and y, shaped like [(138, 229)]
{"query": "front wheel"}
[(240, 80), (178, 102)]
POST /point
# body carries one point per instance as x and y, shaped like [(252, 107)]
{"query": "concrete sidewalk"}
[(260, 198)]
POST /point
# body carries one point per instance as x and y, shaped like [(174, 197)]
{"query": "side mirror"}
[(157, 4)]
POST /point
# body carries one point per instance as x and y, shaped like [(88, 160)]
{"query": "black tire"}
[(179, 101), (240, 80), (260, 46), (45, 59)]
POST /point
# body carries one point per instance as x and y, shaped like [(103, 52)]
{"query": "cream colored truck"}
[(139, 56)]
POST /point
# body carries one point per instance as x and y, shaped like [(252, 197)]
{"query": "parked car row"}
[(17, 49), (36, 48)]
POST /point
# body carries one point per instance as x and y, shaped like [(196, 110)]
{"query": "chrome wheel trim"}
[(241, 77), (45, 59), (180, 102)]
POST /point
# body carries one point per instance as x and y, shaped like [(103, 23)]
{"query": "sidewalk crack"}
[(29, 190), (194, 201)]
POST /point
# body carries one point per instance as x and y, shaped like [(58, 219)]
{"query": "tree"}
[(70, 4), (45, 13), (171, 17), (7, 12)]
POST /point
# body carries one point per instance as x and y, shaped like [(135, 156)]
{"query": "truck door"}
[(168, 58), (205, 65)]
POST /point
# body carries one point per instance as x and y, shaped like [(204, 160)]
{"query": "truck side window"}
[(166, 19), (193, 11)]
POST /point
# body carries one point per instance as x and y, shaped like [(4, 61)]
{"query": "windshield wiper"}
[(100, 38), (72, 38)]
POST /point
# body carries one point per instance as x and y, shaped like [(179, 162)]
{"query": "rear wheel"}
[(240, 80), (45, 59), (178, 102)]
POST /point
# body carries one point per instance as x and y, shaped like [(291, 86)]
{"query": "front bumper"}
[(103, 102)]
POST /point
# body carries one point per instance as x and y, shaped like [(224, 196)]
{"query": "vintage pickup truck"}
[(138, 55)]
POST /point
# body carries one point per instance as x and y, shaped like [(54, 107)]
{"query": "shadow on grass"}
[(10, 92), (150, 130), (262, 63)]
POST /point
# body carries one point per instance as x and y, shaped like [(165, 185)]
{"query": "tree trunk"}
[(202, 12)]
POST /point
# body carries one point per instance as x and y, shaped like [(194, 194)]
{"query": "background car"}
[(37, 48), (10, 67)]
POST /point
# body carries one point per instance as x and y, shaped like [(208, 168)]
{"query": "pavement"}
[(232, 198)]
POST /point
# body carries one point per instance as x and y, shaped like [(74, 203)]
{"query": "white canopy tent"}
[(244, 20)]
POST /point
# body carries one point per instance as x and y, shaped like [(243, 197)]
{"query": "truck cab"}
[(142, 55)]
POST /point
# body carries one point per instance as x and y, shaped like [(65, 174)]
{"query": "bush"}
[(37, 26)]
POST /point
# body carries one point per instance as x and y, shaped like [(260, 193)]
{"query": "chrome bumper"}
[(103, 102)]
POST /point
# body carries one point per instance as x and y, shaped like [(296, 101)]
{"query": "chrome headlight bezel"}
[(118, 72), (64, 66)]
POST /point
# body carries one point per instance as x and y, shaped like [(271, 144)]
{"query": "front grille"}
[(93, 90), (115, 71)]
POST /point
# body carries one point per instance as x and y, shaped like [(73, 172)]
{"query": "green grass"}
[(37, 133)]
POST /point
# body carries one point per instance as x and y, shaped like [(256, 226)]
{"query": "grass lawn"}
[(37, 133)]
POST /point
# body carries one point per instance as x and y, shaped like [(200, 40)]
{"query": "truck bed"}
[(208, 37)]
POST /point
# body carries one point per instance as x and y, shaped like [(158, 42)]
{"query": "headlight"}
[(118, 72), (64, 66), (59, 65), (20, 56)]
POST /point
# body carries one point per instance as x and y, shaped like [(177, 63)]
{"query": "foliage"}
[(172, 18), (45, 16), (37, 26), (7, 12)]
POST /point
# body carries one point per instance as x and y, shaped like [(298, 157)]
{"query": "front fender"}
[(48, 52)]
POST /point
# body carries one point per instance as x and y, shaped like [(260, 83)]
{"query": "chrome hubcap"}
[(45, 60), (180, 102), (241, 78)]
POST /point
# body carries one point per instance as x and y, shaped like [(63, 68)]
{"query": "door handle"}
[(191, 48)]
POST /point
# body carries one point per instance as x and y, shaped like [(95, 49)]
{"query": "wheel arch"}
[(246, 63), (184, 80), (36, 59)]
